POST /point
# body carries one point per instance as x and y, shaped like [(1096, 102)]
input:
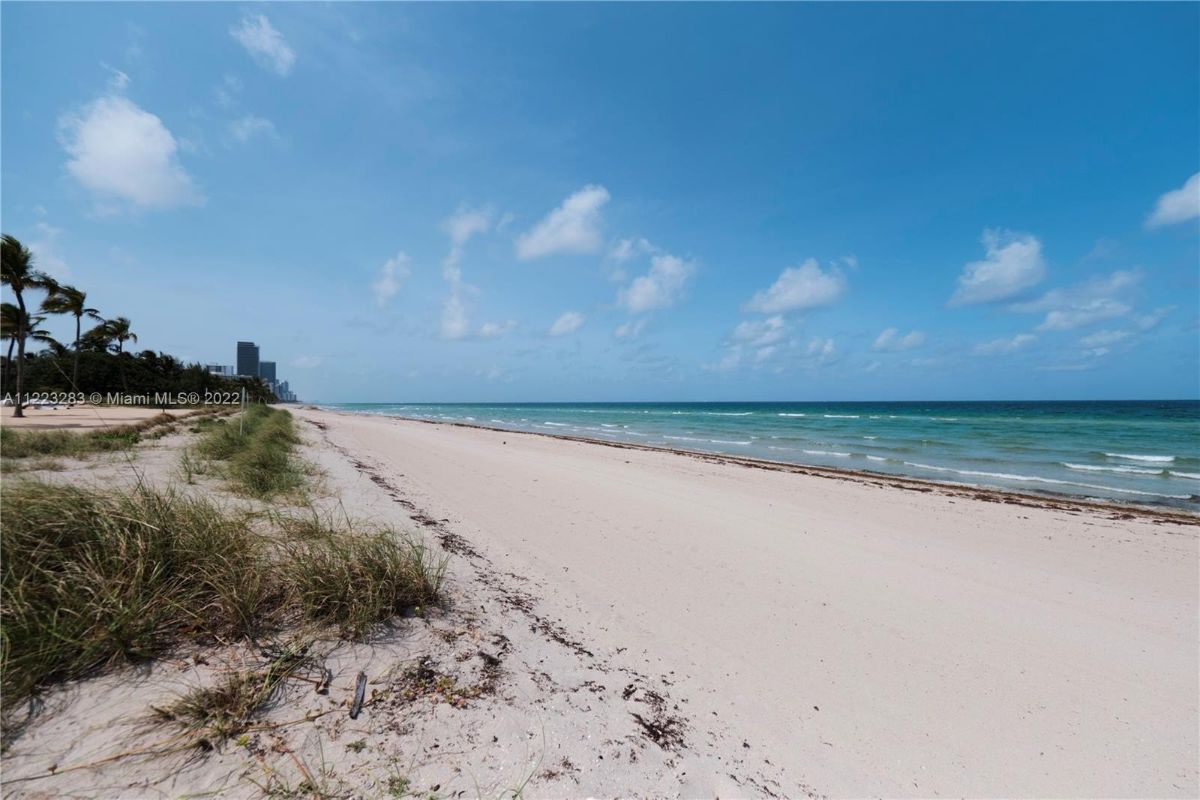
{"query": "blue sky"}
[(625, 202)]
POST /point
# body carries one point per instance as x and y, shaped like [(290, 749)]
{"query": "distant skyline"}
[(497, 202)]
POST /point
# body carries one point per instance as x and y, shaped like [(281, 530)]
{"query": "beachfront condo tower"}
[(247, 359)]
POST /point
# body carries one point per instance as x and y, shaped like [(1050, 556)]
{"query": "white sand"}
[(864, 639)]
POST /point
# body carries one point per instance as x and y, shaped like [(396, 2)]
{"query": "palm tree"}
[(16, 266), (69, 300), (117, 330), (12, 320)]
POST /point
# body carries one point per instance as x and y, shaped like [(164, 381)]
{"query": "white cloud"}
[(661, 287), (1151, 320), (494, 330), (1013, 264), (46, 254), (823, 350), (761, 333), (631, 329), (307, 362), (225, 93), (729, 362), (625, 249), (118, 80), (455, 324), (891, 341), (461, 228), (1103, 338), (998, 347), (799, 288), (245, 128), (764, 353), (265, 44), (1084, 304), (573, 228), (392, 275), (1086, 313), (122, 152), (1178, 205), (568, 322)]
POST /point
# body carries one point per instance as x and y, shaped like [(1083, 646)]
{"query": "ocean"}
[(1146, 452)]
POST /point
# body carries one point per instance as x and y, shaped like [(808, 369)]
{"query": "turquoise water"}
[(1145, 452)]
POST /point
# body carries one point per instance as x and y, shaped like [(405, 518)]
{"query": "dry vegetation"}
[(96, 577)]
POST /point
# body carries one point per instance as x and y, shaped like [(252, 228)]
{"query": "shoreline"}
[(851, 637), (1050, 500)]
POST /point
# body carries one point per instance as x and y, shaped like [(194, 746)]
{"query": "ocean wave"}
[(840, 416), (827, 453), (557, 424), (726, 441), (1192, 475), (608, 425), (876, 458), (781, 414), (1136, 457), (870, 437), (1095, 468), (1008, 476), (684, 438)]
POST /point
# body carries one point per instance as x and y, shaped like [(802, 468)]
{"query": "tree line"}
[(98, 359)]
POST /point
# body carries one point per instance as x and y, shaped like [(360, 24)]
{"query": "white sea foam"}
[(840, 416), (726, 441), (1136, 457), (1192, 475), (1096, 468), (870, 437), (557, 424), (827, 453), (684, 438), (1008, 476), (607, 425), (876, 458), (782, 414)]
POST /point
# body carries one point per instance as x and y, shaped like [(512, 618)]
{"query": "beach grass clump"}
[(355, 581), (214, 714), (79, 444), (255, 451), (92, 578)]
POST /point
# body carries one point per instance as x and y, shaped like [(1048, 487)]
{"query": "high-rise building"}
[(266, 371), (219, 369), (247, 359)]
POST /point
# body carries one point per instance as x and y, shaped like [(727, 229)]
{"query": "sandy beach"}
[(626, 621), (82, 417), (861, 638)]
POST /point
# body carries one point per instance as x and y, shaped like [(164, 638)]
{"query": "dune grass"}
[(96, 577), (213, 714), (23, 444), (18, 444), (255, 451)]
